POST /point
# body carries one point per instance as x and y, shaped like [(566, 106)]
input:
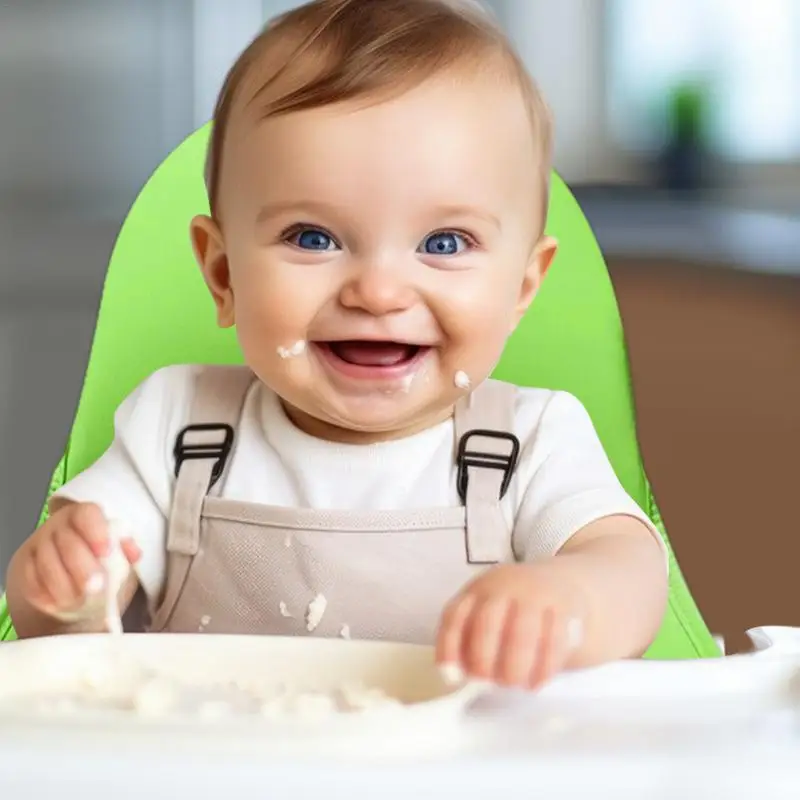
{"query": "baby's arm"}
[(601, 598), (131, 483), (617, 568), (57, 574), (591, 579)]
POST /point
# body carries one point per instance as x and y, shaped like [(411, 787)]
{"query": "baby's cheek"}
[(477, 342), (282, 364), (270, 343), (272, 312)]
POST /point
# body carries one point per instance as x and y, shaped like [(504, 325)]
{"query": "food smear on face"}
[(406, 381), (461, 380), (293, 351)]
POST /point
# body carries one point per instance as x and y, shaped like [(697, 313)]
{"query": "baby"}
[(378, 185)]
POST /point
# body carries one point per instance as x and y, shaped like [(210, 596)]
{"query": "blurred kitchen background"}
[(678, 127)]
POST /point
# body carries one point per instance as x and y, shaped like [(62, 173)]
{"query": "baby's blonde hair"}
[(330, 51)]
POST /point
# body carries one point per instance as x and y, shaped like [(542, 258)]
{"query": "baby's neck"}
[(330, 432)]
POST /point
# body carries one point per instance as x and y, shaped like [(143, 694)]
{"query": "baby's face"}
[(374, 258)]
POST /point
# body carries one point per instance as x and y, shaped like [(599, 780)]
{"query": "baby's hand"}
[(516, 625), (64, 566)]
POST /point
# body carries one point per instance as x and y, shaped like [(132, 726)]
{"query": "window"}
[(744, 54)]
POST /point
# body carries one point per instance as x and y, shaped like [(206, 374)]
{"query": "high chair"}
[(156, 311)]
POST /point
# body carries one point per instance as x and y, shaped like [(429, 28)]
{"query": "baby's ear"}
[(209, 250), (541, 258)]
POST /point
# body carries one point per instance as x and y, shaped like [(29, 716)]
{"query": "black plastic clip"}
[(471, 458), (219, 451)]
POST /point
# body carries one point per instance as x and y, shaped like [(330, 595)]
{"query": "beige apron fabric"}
[(241, 567)]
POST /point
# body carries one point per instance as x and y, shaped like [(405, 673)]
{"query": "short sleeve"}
[(571, 482), (132, 482)]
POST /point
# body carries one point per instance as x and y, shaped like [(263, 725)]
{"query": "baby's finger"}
[(553, 650), (483, 635), (451, 629), (80, 562), (37, 594), (520, 646), (54, 578), (87, 520), (130, 550)]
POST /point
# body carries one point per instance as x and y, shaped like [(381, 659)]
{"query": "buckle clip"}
[(474, 458), (219, 451)]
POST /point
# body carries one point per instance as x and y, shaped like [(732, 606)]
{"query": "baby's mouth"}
[(372, 353)]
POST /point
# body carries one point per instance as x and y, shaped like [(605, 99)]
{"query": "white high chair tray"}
[(723, 728)]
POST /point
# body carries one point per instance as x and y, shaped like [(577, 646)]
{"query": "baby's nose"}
[(378, 291)]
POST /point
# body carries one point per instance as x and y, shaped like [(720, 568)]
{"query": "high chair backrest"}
[(156, 311)]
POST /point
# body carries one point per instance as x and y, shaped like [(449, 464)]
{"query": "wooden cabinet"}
[(715, 357)]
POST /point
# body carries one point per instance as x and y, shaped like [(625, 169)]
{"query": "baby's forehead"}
[(450, 110), (362, 176), (449, 142)]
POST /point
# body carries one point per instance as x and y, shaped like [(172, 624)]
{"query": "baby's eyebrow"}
[(329, 210), (270, 210), (452, 211)]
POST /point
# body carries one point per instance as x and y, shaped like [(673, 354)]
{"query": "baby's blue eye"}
[(312, 239), (444, 243)]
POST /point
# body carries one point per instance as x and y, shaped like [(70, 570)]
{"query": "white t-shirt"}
[(563, 479)]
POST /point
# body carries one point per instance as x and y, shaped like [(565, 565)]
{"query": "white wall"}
[(222, 29), (561, 42)]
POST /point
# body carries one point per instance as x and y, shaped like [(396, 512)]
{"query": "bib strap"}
[(202, 451), (486, 457)]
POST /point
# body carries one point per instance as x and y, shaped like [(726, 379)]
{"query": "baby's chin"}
[(369, 418)]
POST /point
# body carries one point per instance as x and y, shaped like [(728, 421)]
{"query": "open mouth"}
[(372, 358)]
